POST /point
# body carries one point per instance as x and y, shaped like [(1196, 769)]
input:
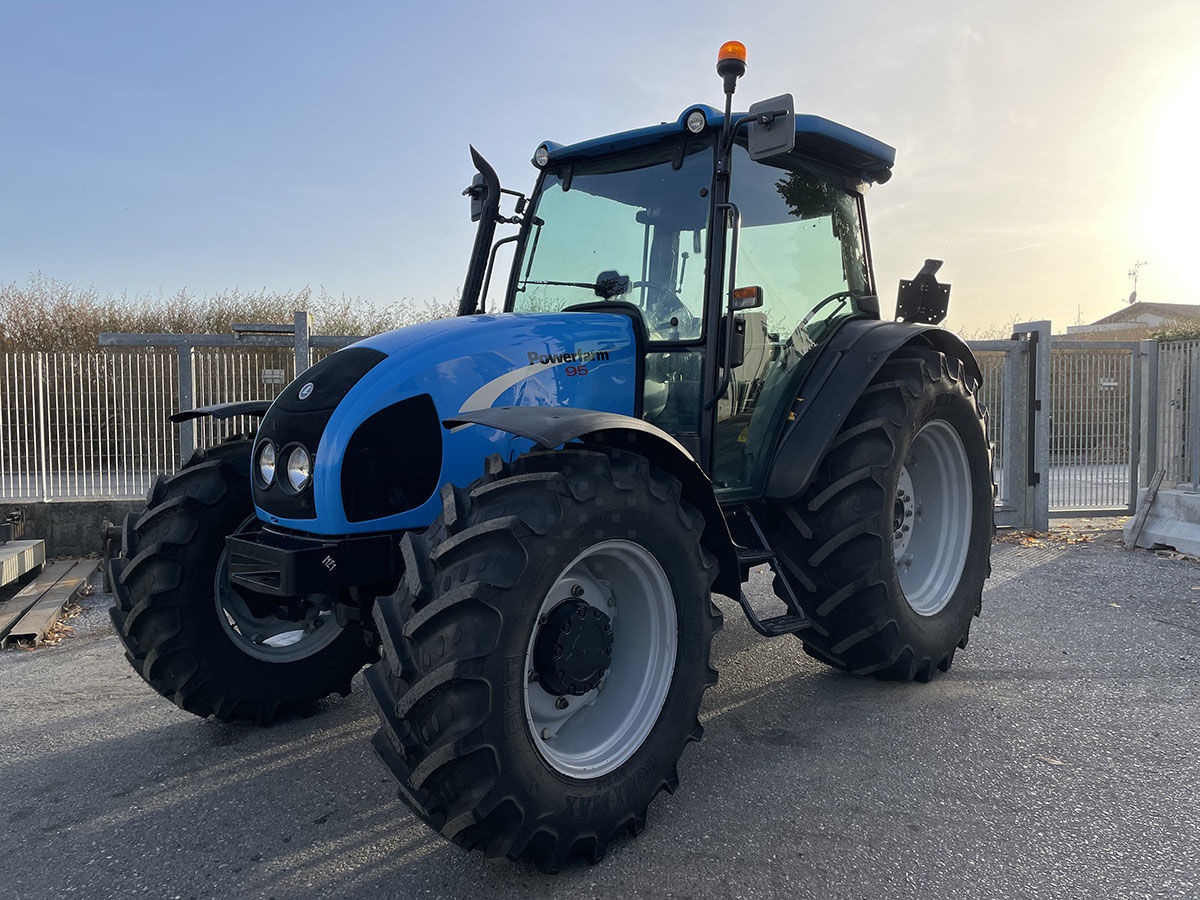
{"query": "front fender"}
[(551, 427)]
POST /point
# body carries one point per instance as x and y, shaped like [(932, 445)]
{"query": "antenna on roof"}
[(1133, 276)]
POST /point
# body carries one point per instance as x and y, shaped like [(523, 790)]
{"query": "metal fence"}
[(1178, 419), (996, 367), (84, 424), (96, 424)]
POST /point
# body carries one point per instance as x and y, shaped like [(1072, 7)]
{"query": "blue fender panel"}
[(549, 428), (834, 384)]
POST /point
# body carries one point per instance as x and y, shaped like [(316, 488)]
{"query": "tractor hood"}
[(370, 416)]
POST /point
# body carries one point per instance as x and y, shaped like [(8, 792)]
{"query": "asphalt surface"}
[(1060, 757)]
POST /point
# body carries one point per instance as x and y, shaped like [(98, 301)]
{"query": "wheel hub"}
[(573, 649), (905, 512)]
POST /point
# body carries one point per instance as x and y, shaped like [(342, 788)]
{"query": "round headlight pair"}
[(298, 466)]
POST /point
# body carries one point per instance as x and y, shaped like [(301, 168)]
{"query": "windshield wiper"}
[(607, 285)]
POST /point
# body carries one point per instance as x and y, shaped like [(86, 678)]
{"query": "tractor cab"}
[(736, 243)]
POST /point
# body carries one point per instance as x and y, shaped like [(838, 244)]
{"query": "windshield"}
[(630, 228)]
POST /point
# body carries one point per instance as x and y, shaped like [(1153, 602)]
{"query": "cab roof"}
[(816, 137)]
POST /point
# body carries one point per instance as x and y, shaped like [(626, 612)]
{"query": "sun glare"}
[(1169, 229)]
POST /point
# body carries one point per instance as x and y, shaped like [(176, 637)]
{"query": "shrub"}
[(51, 315)]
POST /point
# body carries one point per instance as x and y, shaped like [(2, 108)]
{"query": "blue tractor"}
[(519, 515)]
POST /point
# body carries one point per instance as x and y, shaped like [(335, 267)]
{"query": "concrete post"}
[(187, 400), (303, 338), (1148, 461), (1037, 476)]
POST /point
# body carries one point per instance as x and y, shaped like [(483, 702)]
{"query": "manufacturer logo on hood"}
[(306, 391), (576, 356)]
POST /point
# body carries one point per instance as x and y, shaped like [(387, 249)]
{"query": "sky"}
[(148, 147)]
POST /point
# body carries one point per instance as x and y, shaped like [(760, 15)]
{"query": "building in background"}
[(1136, 322)]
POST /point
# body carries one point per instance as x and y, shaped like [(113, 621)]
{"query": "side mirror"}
[(478, 193), (773, 129)]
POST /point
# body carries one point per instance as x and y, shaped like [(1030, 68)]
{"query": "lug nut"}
[(546, 735), (577, 590), (561, 703)]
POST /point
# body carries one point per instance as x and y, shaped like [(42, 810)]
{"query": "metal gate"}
[(1095, 427), (1067, 424)]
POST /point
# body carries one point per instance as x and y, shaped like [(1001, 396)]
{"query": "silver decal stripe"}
[(490, 392)]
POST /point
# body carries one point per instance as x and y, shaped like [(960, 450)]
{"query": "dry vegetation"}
[(1181, 331), (50, 315)]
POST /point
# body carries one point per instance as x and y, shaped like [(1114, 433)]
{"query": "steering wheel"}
[(838, 295), (668, 308)]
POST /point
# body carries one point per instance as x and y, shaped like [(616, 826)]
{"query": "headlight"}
[(266, 463), (299, 469)]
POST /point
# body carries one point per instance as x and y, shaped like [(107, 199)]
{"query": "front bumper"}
[(285, 564)]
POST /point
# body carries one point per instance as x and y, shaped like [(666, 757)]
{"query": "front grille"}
[(393, 461)]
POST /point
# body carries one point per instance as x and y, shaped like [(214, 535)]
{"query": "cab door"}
[(802, 243)]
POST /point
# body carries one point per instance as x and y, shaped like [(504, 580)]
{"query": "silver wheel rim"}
[(932, 516), (597, 732), (269, 638)]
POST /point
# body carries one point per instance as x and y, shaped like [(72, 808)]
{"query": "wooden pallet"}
[(28, 615), (20, 557)]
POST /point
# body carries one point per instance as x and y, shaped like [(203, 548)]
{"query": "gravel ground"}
[(1060, 758)]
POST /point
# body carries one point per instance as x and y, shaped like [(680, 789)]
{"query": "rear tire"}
[(888, 548), (546, 654), (189, 634)]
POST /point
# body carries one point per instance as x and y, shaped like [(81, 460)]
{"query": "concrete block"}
[(1174, 521)]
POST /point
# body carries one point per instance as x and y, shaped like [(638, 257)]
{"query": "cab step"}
[(760, 553)]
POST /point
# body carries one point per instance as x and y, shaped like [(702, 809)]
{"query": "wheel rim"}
[(932, 517), (266, 637), (590, 735)]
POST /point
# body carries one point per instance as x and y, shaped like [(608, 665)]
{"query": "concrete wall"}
[(71, 527)]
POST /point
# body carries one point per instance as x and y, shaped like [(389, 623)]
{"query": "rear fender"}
[(835, 382), (551, 427)]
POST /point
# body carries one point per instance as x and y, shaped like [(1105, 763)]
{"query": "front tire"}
[(888, 548), (208, 648), (546, 654)]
